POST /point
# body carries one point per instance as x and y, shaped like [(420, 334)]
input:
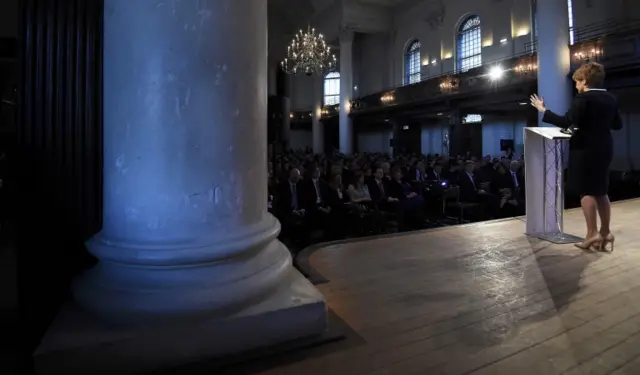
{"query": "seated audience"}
[(410, 203), (288, 203), (358, 192), (472, 191), (336, 200)]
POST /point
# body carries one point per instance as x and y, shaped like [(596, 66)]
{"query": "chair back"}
[(452, 193)]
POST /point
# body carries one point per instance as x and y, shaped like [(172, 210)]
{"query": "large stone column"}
[(396, 131), (284, 91), (317, 128), (186, 231), (554, 55), (346, 90)]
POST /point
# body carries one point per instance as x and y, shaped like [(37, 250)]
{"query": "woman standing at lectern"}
[(593, 113)]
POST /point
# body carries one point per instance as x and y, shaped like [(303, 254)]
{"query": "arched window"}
[(469, 44), (412, 63), (332, 88)]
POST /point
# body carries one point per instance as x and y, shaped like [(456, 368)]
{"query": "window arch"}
[(332, 88), (469, 44), (412, 63)]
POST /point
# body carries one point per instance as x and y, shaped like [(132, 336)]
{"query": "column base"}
[(78, 343)]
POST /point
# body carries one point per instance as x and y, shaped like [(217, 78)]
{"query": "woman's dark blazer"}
[(592, 116)]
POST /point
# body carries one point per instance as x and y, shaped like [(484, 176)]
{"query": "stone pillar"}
[(554, 58), (283, 83), (346, 90), (396, 131), (316, 115), (186, 233), (455, 133)]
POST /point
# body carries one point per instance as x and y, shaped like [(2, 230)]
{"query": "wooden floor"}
[(481, 299)]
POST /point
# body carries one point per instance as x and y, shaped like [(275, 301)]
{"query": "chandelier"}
[(308, 53)]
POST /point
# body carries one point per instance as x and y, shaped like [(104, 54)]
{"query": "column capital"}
[(346, 35)]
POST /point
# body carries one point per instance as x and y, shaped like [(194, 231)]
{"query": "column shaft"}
[(316, 125), (553, 55), (346, 90), (186, 230)]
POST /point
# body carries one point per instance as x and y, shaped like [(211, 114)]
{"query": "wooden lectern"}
[(544, 183)]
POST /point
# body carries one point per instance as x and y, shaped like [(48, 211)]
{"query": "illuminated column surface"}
[(346, 90), (316, 125), (186, 231), (553, 55)]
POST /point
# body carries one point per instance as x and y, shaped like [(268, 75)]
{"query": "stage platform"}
[(479, 299)]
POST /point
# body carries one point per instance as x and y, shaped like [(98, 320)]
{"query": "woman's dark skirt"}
[(589, 169)]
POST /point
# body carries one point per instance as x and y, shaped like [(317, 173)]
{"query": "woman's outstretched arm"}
[(572, 117)]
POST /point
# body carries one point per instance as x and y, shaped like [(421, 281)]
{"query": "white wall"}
[(301, 92), (496, 128), (374, 141), (301, 139), (499, 19), (373, 63)]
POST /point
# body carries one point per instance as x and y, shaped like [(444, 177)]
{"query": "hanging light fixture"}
[(308, 53)]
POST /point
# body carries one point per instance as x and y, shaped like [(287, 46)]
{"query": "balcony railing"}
[(514, 70), (595, 31), (613, 43)]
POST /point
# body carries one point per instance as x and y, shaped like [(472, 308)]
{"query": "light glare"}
[(496, 73)]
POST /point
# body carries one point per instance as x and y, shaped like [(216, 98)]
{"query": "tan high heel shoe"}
[(589, 242), (608, 239)]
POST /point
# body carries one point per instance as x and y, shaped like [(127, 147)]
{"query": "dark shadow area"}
[(339, 336), (563, 282)]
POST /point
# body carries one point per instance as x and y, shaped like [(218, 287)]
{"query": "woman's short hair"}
[(592, 74)]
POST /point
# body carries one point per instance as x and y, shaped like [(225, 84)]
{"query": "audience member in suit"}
[(378, 187), (288, 203), (314, 197), (471, 191), (486, 171), (502, 186), (417, 173), (452, 173), (410, 203), (516, 179), (435, 173), (337, 209)]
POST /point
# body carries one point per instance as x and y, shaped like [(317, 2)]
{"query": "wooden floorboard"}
[(481, 299)]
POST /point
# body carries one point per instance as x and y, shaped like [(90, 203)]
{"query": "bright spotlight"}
[(496, 73)]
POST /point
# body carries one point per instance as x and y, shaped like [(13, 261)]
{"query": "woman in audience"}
[(358, 193)]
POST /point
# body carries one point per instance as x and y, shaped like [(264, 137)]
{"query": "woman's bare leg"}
[(590, 211), (604, 211)]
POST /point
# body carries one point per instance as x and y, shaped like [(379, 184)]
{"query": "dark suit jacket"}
[(398, 190), (592, 115), (283, 199), (374, 190), (309, 195), (431, 175), (468, 189)]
